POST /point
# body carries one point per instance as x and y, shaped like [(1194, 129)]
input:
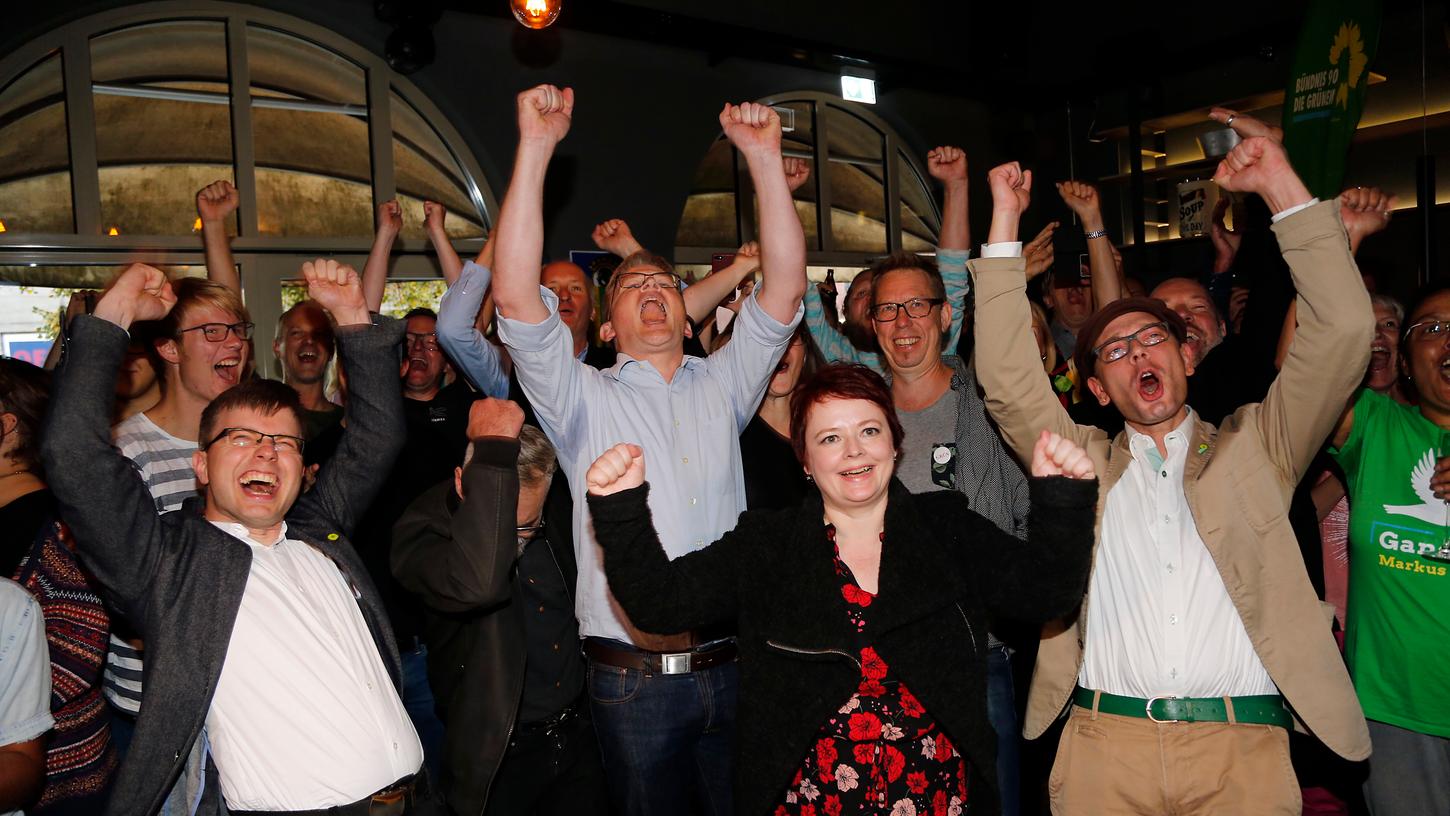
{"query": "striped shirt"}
[(164, 462)]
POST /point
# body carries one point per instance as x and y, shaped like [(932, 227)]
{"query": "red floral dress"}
[(881, 752)]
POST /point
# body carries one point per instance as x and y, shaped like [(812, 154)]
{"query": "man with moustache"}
[(663, 704), (266, 630), (1200, 626)]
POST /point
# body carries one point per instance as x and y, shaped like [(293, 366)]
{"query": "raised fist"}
[(1082, 199), (947, 164), (797, 171), (1260, 165), (337, 289), (216, 201), (1011, 187), (1225, 241), (749, 249), (545, 113), (753, 128), (1365, 211), (1246, 126), (390, 217), (1039, 252), (140, 292), (619, 468), (1055, 455), (615, 236), (494, 417), (434, 215)]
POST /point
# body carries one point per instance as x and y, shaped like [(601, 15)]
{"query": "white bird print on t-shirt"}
[(1431, 509)]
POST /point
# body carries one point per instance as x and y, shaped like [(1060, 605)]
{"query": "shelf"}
[(1165, 241), (1156, 173)]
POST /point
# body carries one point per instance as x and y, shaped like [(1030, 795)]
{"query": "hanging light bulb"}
[(536, 13)]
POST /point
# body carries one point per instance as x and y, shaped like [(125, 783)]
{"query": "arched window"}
[(867, 194), (110, 124)]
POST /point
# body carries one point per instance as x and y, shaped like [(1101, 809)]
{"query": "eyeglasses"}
[(428, 339), (217, 332), (1117, 348), (248, 438), (916, 307), (634, 280), (1428, 328)]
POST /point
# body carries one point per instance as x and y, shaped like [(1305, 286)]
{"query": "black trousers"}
[(550, 772)]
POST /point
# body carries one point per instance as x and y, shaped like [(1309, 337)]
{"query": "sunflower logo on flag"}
[(1348, 43)]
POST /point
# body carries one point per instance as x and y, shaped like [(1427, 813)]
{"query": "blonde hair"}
[(198, 293)]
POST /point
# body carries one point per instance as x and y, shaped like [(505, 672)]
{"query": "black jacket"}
[(944, 571), (459, 556), (178, 578)]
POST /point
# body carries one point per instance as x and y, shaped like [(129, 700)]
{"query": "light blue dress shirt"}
[(477, 359), (689, 428)]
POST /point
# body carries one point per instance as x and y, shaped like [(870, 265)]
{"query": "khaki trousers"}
[(1108, 765)]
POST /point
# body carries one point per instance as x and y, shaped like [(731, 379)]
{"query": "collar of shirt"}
[(241, 533), (1145, 450), (626, 366)]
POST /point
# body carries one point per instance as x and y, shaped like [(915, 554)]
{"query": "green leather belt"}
[(1259, 709)]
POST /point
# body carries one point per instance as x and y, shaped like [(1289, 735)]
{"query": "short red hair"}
[(840, 381)]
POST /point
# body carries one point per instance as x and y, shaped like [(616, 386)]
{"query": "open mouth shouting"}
[(1149, 384), (229, 370), (652, 310), (258, 484)]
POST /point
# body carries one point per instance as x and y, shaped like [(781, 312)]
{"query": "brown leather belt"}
[(660, 662), (396, 799)]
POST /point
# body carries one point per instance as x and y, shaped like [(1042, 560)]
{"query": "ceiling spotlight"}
[(536, 13)]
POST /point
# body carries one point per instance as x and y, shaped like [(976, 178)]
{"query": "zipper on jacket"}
[(814, 652), (970, 632)]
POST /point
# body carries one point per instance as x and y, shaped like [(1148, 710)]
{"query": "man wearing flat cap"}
[(1200, 641)]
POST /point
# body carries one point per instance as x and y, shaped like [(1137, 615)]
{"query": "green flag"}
[(1327, 88)]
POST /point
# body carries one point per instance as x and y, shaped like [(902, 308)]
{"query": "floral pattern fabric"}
[(881, 752)]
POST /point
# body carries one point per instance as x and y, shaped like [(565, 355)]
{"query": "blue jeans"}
[(1002, 713), (418, 702), (667, 741)]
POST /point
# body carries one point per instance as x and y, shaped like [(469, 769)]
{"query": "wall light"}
[(536, 13), (858, 89)]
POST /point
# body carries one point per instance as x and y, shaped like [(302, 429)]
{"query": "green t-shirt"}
[(1398, 625)]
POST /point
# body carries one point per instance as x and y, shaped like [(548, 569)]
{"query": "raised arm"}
[(754, 129), (459, 334), (101, 495), (1082, 199), (375, 272), (433, 216), (464, 562), (949, 166), (704, 295), (1365, 211), (615, 236), (374, 434), (1018, 396), (1331, 344), (214, 203), (658, 594), (543, 118)]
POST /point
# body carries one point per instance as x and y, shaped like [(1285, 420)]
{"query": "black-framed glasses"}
[(248, 438), (635, 280), (428, 339), (1117, 348), (1429, 328), (217, 332), (916, 307)]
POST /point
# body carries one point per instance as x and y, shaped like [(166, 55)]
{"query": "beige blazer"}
[(1238, 478)]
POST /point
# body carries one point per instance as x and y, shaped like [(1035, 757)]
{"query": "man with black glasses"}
[(263, 625)]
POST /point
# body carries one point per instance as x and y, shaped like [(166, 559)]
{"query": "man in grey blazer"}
[(265, 637)]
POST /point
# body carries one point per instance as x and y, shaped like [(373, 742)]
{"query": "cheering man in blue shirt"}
[(663, 703)]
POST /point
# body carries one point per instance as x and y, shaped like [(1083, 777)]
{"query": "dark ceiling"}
[(984, 50)]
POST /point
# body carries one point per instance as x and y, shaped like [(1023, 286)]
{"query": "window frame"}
[(829, 254), (89, 244)]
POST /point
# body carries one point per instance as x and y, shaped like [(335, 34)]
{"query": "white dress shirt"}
[(305, 715), (1159, 619)]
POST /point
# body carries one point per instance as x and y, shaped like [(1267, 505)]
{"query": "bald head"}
[(1192, 301), (576, 297)]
